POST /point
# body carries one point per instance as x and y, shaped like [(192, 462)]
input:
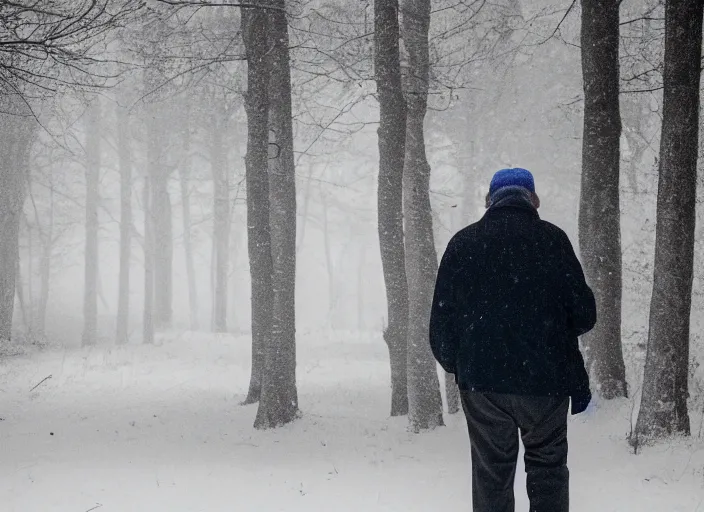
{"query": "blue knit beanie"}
[(515, 177)]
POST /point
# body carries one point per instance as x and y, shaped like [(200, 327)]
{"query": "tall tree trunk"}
[(148, 311), (254, 35), (161, 217), (599, 212), (163, 244), (15, 141), (332, 298), (663, 408), (90, 291), (279, 399), (30, 317), (47, 241), (148, 197), (184, 177), (125, 162), (20, 293), (392, 140), (424, 399), (221, 225)]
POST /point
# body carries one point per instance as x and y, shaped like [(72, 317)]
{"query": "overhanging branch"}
[(199, 3)]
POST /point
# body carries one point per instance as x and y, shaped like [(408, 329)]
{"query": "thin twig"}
[(41, 382), (559, 25), (97, 505)]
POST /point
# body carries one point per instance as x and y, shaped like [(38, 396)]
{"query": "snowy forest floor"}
[(160, 428)]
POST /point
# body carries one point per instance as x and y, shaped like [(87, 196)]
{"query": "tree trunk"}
[(47, 240), (29, 314), (20, 293), (279, 398), (221, 226), (161, 218), (599, 212), (332, 296), (392, 140), (90, 291), (149, 320), (125, 162), (184, 177), (148, 314), (163, 243), (254, 35), (15, 142), (424, 399), (663, 408)]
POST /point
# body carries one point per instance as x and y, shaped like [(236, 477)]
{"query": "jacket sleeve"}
[(579, 298), (443, 338)]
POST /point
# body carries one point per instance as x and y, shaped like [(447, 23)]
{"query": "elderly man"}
[(510, 302)]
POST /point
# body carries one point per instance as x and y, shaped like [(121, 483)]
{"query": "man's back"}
[(510, 301), (513, 333)]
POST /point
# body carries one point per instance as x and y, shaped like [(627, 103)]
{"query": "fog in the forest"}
[(195, 214)]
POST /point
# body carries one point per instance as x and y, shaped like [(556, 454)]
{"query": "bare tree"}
[(663, 408), (278, 404), (16, 127), (184, 170), (46, 47), (162, 219), (424, 401), (152, 163), (46, 239), (221, 219), (599, 213), (392, 140), (125, 164), (255, 24), (148, 310), (93, 162)]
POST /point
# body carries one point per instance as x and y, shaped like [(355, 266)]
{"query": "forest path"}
[(160, 428)]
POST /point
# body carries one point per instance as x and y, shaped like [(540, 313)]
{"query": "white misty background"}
[(220, 223)]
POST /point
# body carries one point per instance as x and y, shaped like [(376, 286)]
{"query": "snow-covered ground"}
[(160, 428)]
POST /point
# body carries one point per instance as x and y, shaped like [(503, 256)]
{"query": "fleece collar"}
[(512, 197)]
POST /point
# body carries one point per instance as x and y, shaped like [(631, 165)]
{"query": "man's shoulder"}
[(466, 233), (553, 230)]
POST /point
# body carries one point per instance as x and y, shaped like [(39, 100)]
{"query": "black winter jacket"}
[(510, 301)]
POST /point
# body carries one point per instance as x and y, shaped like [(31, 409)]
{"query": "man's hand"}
[(580, 403)]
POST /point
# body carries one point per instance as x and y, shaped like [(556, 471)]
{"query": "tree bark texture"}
[(90, 290), (599, 212), (125, 164), (184, 178), (15, 143), (424, 398), (279, 398), (392, 140), (254, 35), (663, 409), (221, 224)]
